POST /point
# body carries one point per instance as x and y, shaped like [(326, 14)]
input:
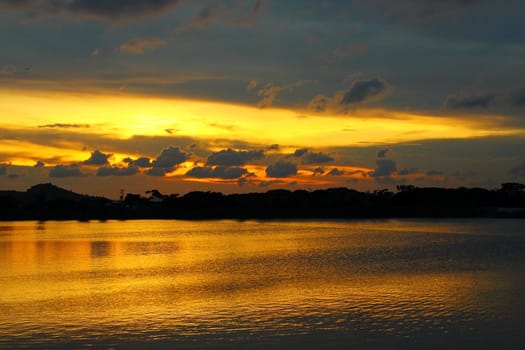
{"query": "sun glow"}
[(124, 116)]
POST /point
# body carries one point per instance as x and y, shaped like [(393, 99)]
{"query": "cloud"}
[(300, 152), (165, 162), (98, 9), (137, 46), (158, 171), (316, 158), (39, 164), (281, 169), (434, 173), (318, 170), (274, 147), (269, 94), (229, 157), (384, 168), (141, 162), (117, 171), (169, 157), (511, 98), (97, 158), (66, 171), (270, 91), (319, 103), (518, 170), (365, 90), (221, 172), (335, 172), (361, 91), (64, 126), (382, 153), (407, 171), (460, 101), (252, 84), (264, 184)]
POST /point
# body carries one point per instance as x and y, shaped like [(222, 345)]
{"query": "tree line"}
[(49, 202)]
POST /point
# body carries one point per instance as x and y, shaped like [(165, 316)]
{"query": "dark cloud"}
[(141, 162), (274, 147), (316, 158), (170, 157), (158, 171), (97, 158), (65, 171), (384, 168), (335, 172), (165, 162), (365, 90), (318, 170), (407, 171), (229, 157), (459, 101), (65, 126), (117, 171), (281, 169), (114, 9), (518, 170), (137, 46), (512, 98), (434, 173), (318, 103), (382, 153), (361, 91), (264, 184), (300, 152), (39, 164), (221, 172)]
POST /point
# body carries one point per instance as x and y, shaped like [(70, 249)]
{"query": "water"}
[(223, 284)]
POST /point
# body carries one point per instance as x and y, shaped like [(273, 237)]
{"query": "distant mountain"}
[(49, 191)]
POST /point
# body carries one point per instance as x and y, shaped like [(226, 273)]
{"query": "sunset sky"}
[(250, 95)]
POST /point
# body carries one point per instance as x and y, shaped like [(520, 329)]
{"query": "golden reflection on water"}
[(169, 279)]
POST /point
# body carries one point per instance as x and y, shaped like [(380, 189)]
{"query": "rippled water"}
[(313, 284)]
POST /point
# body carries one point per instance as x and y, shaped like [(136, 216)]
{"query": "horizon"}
[(239, 97), (262, 191)]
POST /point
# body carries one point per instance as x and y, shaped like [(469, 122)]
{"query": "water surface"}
[(164, 284)]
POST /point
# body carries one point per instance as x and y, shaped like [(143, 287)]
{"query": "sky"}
[(250, 95)]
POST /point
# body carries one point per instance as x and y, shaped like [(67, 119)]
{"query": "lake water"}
[(443, 284)]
